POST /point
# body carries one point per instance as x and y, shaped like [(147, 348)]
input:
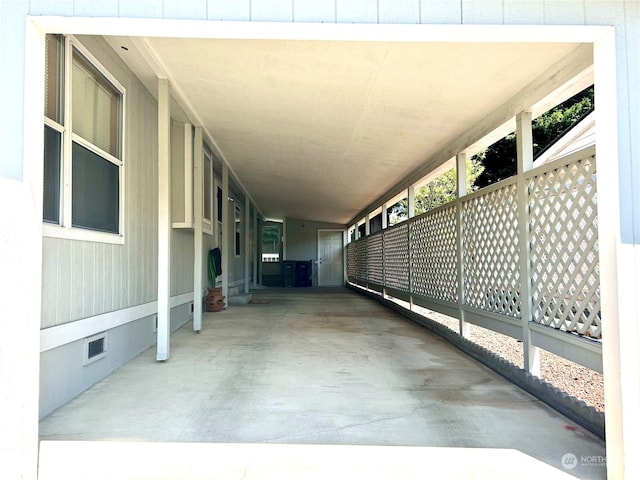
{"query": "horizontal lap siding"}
[(83, 279)]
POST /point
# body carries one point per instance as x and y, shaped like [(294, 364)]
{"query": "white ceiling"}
[(319, 130)]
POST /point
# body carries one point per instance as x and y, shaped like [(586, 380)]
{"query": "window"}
[(238, 223), (219, 203), (219, 212), (207, 191), (83, 153), (270, 243)]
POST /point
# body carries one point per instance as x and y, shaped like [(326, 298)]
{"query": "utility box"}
[(289, 274), (303, 273)]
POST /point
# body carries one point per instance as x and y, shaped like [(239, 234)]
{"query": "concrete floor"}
[(315, 366)]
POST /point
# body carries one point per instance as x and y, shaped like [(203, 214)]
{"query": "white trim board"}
[(59, 335)]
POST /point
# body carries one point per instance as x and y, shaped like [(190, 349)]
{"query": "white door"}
[(330, 258)]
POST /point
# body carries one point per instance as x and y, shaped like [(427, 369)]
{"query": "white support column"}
[(461, 170), (524, 152), (226, 231), (164, 221), (256, 237), (385, 220), (198, 214), (284, 238), (619, 257), (411, 197), (247, 243), (367, 226), (411, 202)]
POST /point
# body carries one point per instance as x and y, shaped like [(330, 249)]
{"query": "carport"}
[(390, 85)]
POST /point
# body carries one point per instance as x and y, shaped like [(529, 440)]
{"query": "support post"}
[(367, 226), (385, 220), (226, 231), (257, 237), (164, 221), (247, 243), (411, 197), (524, 152), (461, 174), (619, 258), (198, 213)]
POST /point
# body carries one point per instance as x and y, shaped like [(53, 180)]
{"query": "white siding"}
[(314, 11), (139, 8), (357, 11), (273, 11), (225, 10), (181, 261), (193, 9), (437, 11), (399, 11), (564, 12), (482, 12)]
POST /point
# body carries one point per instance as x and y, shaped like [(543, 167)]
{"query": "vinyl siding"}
[(82, 279)]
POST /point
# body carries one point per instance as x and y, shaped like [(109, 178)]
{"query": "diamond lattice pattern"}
[(396, 257), (434, 255), (564, 248), (375, 266), (490, 255), (361, 260), (352, 261)]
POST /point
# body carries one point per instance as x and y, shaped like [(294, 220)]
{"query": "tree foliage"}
[(438, 192), (499, 160)]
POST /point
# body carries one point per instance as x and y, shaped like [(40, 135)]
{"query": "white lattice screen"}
[(491, 254), (396, 257), (361, 259), (563, 226), (434, 252), (375, 270), (560, 213), (352, 261)]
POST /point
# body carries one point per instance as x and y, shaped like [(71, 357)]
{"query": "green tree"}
[(499, 160), (438, 192)]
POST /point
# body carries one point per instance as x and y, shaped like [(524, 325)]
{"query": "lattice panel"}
[(375, 267), (361, 260), (491, 257), (396, 257), (434, 251), (564, 248), (352, 261)]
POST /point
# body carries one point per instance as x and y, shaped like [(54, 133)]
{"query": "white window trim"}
[(217, 225), (207, 223), (86, 360), (65, 229), (237, 219)]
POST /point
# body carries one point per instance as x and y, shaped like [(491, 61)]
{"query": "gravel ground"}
[(581, 382)]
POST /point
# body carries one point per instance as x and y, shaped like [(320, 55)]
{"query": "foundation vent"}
[(95, 348)]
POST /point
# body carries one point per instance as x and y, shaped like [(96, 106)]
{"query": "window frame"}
[(64, 228), (237, 236), (207, 223)]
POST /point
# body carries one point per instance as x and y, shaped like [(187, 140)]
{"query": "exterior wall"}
[(21, 244), (63, 375), (236, 262), (302, 238), (83, 279)]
